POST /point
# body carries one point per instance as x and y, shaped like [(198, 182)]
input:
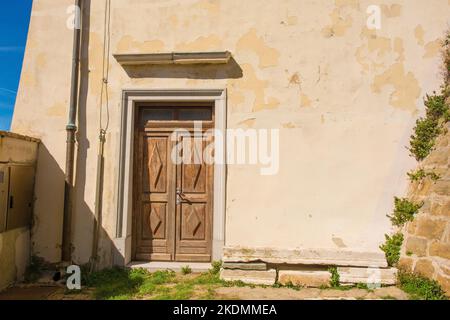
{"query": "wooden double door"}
[(173, 185)]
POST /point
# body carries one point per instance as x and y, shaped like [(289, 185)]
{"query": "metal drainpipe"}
[(98, 200), (71, 129)]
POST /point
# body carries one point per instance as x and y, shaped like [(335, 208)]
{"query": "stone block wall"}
[(426, 249)]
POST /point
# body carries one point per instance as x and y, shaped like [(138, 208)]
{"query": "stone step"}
[(314, 279), (350, 275), (245, 266), (267, 277)]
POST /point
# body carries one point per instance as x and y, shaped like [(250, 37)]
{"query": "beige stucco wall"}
[(14, 255), (344, 98), (15, 245)]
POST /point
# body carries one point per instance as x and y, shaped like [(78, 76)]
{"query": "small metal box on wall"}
[(17, 172)]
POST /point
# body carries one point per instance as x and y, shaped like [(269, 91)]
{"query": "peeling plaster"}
[(392, 11), (249, 123), (288, 125), (419, 34), (211, 42), (57, 110), (379, 52), (295, 79), (128, 44), (268, 57), (432, 49), (406, 87), (305, 101), (340, 22)]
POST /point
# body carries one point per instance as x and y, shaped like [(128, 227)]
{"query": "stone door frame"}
[(131, 98)]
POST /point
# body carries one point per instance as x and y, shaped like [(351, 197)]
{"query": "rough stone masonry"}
[(426, 249)]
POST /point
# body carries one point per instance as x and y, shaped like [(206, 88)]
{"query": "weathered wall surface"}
[(15, 245), (14, 255), (344, 98), (426, 249)]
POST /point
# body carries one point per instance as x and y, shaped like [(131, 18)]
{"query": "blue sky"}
[(14, 20)]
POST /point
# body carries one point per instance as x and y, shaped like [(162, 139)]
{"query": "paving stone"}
[(333, 294), (393, 292), (30, 293)]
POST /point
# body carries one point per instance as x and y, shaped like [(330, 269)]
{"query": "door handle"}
[(11, 202), (180, 196)]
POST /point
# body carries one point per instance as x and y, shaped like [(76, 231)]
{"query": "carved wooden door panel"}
[(194, 188), (154, 206)]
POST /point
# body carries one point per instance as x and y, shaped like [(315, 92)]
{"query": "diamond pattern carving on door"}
[(194, 174), (194, 213), (156, 220), (156, 156), (193, 221), (154, 198)]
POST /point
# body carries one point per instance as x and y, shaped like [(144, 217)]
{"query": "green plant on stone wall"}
[(392, 248), (436, 107), (335, 278), (427, 129), (420, 288), (421, 174), (404, 211)]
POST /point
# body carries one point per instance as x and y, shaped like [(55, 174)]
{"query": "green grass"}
[(126, 284), (420, 288), (116, 283)]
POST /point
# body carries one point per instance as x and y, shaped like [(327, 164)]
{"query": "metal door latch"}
[(180, 196)]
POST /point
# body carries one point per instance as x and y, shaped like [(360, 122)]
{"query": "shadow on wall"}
[(49, 191), (231, 70), (46, 232)]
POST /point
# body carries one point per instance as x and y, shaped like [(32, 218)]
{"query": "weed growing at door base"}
[(186, 270)]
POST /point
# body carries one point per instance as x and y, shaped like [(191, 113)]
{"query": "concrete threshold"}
[(175, 266)]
